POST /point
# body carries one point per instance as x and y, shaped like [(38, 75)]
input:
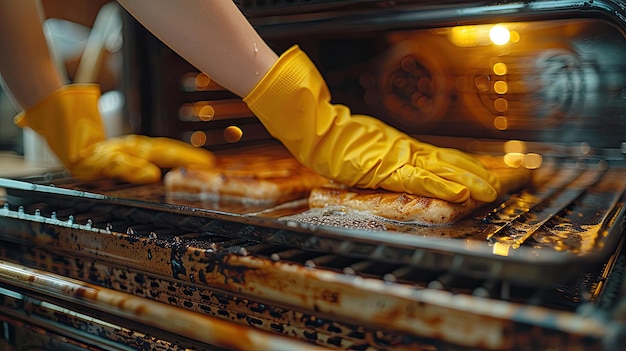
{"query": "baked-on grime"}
[(422, 210), (251, 178)]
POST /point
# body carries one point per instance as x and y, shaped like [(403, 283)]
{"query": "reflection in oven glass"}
[(526, 80)]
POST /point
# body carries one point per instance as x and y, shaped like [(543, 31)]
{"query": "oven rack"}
[(103, 222), (239, 287), (100, 238), (33, 305), (572, 218)]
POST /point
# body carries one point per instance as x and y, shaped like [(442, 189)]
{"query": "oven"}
[(106, 265)]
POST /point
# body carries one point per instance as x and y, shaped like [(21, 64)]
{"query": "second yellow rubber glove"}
[(293, 103), (70, 123)]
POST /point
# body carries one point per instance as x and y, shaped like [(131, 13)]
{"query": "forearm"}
[(212, 35), (25, 63)]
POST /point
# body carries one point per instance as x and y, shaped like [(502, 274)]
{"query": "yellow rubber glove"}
[(70, 123), (293, 103)]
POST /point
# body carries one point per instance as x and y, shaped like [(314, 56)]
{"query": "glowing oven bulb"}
[(499, 34)]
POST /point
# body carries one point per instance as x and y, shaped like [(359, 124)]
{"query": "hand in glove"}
[(70, 122), (293, 103)]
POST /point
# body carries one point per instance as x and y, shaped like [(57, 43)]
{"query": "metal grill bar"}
[(235, 257), (549, 203), (224, 334), (568, 202), (448, 276)]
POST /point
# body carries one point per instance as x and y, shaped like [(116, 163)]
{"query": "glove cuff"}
[(293, 103), (283, 79), (67, 119)]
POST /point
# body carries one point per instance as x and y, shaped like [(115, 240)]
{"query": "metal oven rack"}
[(324, 286)]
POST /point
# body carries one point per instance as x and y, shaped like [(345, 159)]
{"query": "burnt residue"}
[(311, 335), (312, 321), (277, 327), (95, 276), (241, 309), (335, 341), (233, 274), (101, 332), (49, 231), (202, 276), (176, 260), (255, 322), (190, 220), (185, 266), (216, 262)]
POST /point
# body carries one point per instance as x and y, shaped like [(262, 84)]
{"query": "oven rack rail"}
[(222, 239), (601, 204), (70, 239), (111, 218), (426, 269), (121, 321)]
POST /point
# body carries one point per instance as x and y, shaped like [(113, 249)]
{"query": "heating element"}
[(105, 265)]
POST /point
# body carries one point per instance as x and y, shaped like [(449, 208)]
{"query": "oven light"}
[(482, 35), (514, 159), (532, 161), (202, 81), (465, 36), (501, 123), (515, 146), (499, 35), (500, 87), (232, 134), (501, 105), (528, 161), (206, 112), (185, 112), (198, 138), (499, 68), (517, 156)]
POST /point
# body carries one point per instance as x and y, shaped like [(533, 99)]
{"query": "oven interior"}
[(538, 269)]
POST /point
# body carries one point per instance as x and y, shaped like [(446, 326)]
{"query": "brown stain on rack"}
[(230, 264)]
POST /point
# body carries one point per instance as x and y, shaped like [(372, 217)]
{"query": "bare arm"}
[(212, 35), (28, 71)]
